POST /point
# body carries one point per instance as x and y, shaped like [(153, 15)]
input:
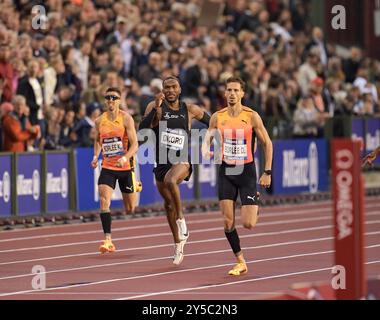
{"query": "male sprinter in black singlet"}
[(171, 120)]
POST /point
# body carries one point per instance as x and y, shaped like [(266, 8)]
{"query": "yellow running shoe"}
[(107, 246), (238, 269)]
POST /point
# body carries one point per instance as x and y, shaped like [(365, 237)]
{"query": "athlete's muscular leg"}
[(249, 215), (170, 210), (173, 178), (130, 201), (105, 194)]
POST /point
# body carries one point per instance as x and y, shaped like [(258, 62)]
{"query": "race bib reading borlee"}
[(235, 149), (173, 139), (112, 147)]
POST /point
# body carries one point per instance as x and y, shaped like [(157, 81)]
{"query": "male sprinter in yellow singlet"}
[(237, 127), (117, 140)]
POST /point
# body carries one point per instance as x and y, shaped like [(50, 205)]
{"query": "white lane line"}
[(192, 214), (299, 211), (296, 211), (187, 255), (155, 235), (284, 275), (274, 233)]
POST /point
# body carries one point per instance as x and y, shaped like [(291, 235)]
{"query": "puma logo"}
[(252, 198), (129, 188)]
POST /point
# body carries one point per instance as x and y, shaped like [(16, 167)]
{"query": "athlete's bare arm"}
[(146, 122), (262, 135), (370, 157), (97, 145), (206, 152), (196, 112), (129, 125)]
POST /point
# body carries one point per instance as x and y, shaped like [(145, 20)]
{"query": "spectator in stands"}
[(31, 88), (84, 126), (5, 108), (308, 71), (318, 41), (93, 92), (17, 129), (351, 65), (6, 73), (307, 120), (67, 136)]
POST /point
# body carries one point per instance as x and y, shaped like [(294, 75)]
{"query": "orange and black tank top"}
[(114, 142), (237, 136)]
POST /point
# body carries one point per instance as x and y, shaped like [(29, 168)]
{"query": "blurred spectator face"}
[(64, 94), (307, 103), (86, 48), (318, 34), (264, 17), (19, 104), (51, 43), (24, 40), (33, 68), (58, 65), (61, 115), (111, 79), (155, 60), (356, 54), (117, 63), (5, 52), (95, 80), (69, 118), (171, 90), (102, 60)]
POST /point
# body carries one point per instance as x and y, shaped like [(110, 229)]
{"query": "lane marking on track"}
[(299, 211), (274, 233), (284, 275), (187, 255), (182, 271), (154, 235)]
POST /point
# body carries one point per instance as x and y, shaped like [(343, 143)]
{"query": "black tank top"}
[(172, 135)]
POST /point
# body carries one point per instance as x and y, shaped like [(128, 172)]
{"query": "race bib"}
[(112, 147), (235, 149), (173, 139)]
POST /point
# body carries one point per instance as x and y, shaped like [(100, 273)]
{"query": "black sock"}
[(233, 238), (106, 221)]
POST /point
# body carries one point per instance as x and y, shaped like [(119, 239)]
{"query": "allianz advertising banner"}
[(57, 182), (300, 166), (87, 183), (358, 131), (29, 184), (5, 185), (373, 136)]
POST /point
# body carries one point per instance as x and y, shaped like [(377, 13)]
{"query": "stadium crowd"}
[(54, 68)]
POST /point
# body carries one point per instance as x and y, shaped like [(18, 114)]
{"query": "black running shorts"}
[(229, 185), (162, 169), (125, 178)]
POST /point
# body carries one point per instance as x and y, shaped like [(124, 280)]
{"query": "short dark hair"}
[(238, 80), (171, 78), (113, 89)]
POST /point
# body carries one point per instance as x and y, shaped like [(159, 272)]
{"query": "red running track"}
[(290, 244)]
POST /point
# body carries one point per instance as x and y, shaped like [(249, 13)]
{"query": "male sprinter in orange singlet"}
[(371, 157), (237, 127), (117, 140)]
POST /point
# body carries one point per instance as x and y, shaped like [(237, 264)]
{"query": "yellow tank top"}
[(237, 136), (114, 142)]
